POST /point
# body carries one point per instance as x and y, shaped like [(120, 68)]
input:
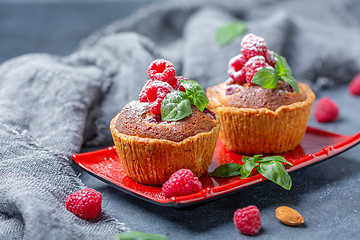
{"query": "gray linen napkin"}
[(50, 106)]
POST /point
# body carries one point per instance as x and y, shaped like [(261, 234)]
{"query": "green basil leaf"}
[(225, 34), (275, 171), (175, 106), (292, 81), (226, 170), (274, 158), (195, 94), (282, 66), (265, 77), (134, 235), (247, 168)]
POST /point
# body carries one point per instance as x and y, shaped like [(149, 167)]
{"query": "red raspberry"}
[(142, 95), (253, 65), (270, 58), (178, 85), (162, 70), (155, 93), (253, 45), (247, 220), (326, 110), (354, 86), (85, 203), (236, 68), (180, 183)]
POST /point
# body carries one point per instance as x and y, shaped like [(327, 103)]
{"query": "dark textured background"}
[(327, 194)]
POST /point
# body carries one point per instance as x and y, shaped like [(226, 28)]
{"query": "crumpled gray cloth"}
[(50, 106)]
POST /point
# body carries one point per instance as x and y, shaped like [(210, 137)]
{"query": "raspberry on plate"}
[(354, 86), (182, 182), (85, 203), (162, 70), (253, 45), (252, 66), (326, 110), (155, 92), (248, 220), (236, 68)]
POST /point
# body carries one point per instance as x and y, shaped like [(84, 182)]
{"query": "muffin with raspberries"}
[(262, 108), (167, 129)]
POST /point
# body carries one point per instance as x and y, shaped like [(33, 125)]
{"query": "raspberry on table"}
[(326, 110), (252, 66), (85, 203), (236, 68), (354, 86), (248, 220), (182, 182), (253, 45), (162, 70), (155, 92)]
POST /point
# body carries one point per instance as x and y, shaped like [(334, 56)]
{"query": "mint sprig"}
[(134, 235), (268, 77), (225, 34), (270, 167), (177, 104)]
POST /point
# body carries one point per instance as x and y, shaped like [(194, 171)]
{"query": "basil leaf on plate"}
[(175, 106), (134, 235), (195, 94), (274, 158), (275, 171), (226, 170), (225, 34), (247, 168)]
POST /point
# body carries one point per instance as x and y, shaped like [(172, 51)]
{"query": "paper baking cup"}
[(262, 131), (152, 161)]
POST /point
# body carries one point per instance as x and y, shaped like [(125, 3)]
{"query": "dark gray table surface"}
[(326, 194)]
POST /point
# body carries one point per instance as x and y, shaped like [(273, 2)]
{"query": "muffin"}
[(262, 108), (168, 129)]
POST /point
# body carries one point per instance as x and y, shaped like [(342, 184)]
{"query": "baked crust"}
[(262, 131)]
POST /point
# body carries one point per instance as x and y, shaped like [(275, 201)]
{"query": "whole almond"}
[(289, 216)]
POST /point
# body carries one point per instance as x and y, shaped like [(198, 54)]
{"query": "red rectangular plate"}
[(316, 146)]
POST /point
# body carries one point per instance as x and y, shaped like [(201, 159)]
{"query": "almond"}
[(289, 216)]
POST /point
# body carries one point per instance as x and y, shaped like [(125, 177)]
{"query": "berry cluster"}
[(253, 57), (162, 81)]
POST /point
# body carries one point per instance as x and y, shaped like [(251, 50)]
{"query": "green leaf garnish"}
[(268, 77), (226, 170), (275, 171), (225, 34), (290, 80), (134, 235), (195, 93), (175, 106), (270, 167)]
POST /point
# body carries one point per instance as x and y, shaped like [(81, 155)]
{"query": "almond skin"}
[(289, 216)]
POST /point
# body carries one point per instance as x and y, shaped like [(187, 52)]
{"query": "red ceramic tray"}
[(316, 146)]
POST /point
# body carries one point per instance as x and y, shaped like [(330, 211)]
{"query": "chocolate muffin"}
[(262, 108), (153, 143)]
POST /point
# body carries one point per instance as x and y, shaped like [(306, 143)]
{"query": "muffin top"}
[(136, 120), (233, 94)]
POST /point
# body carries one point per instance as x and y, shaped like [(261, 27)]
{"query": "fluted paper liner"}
[(262, 131), (152, 161)]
